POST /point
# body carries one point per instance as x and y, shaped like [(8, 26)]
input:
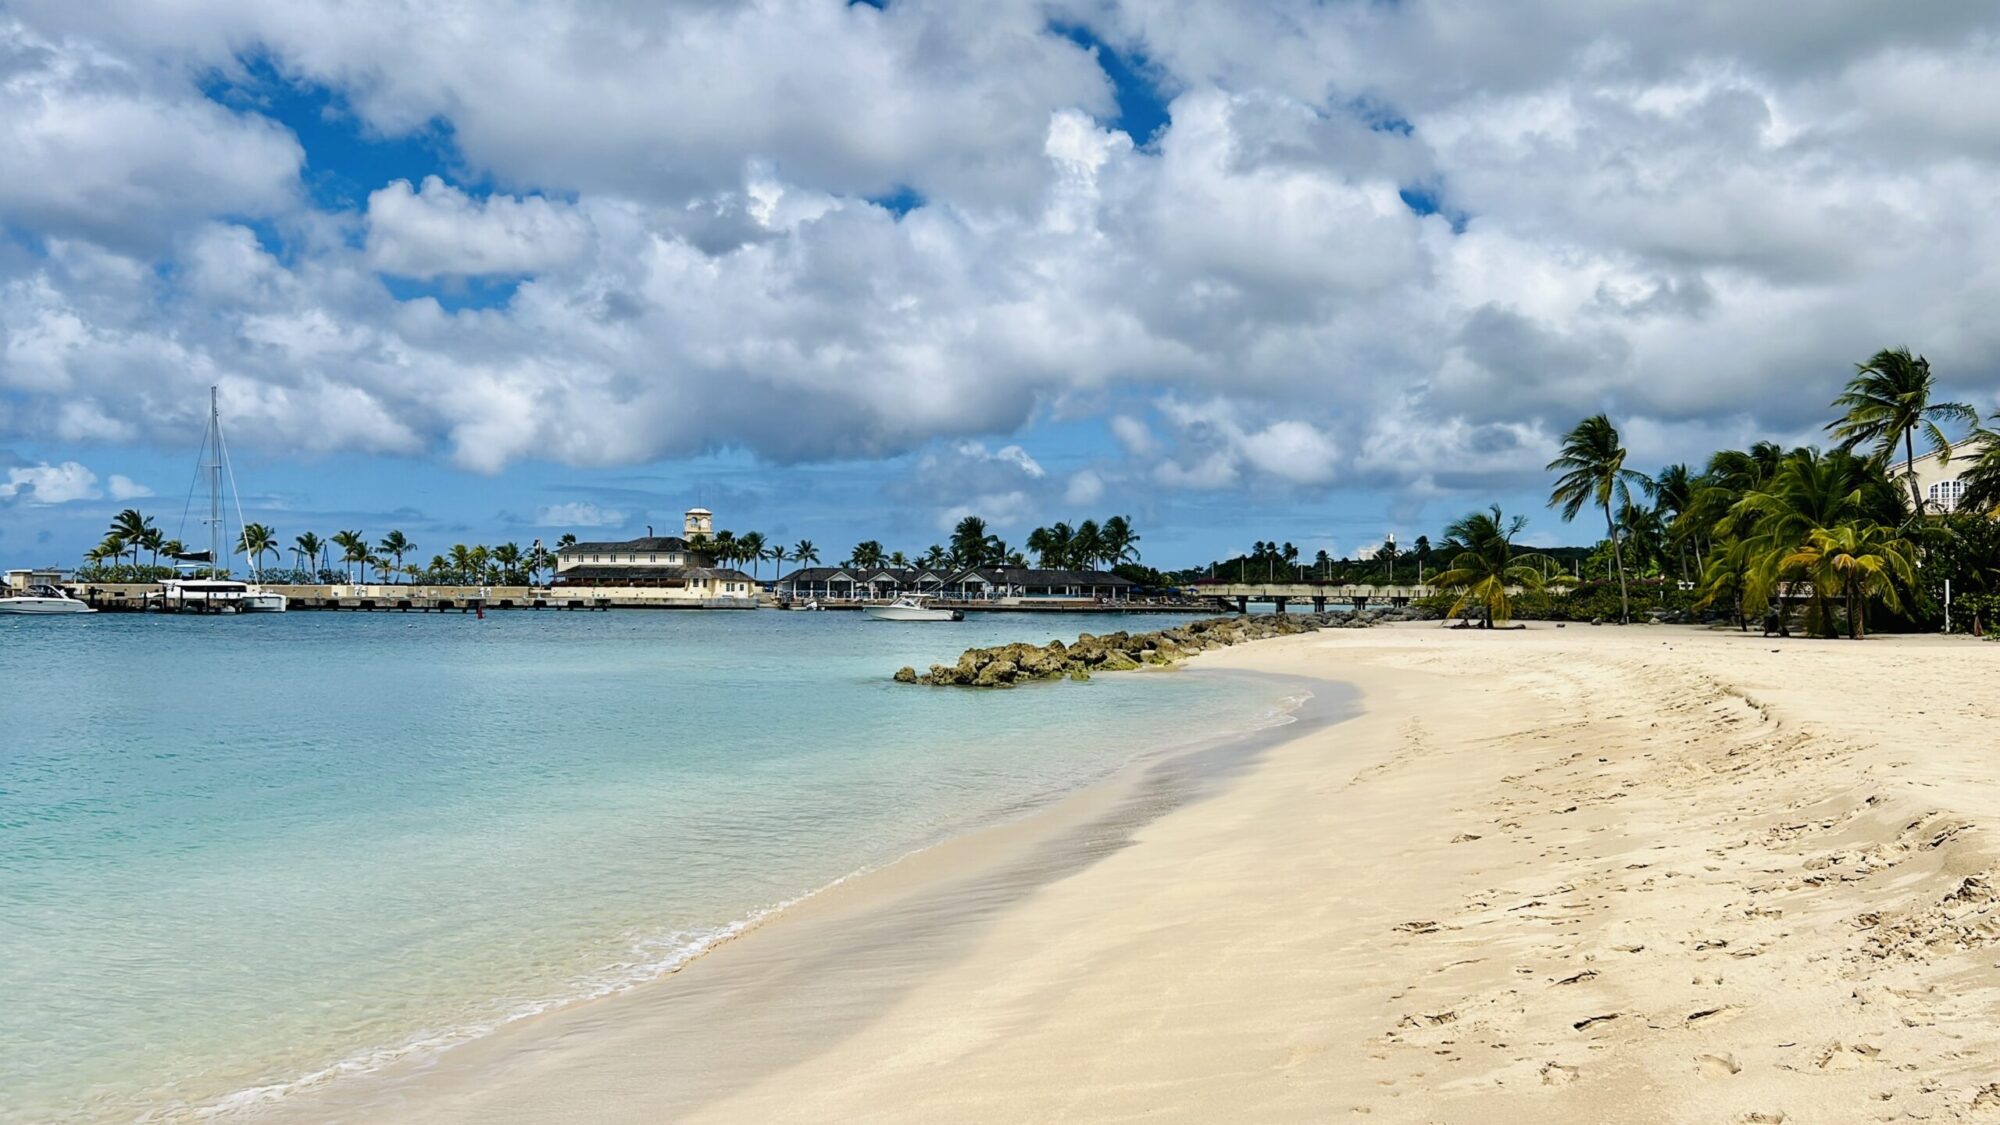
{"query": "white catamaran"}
[(215, 593)]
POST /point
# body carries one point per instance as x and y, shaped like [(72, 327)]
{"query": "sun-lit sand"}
[(1583, 874)]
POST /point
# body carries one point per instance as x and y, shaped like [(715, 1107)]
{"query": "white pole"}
[(1947, 605), (214, 485)]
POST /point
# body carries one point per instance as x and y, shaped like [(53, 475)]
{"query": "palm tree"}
[(867, 554), (777, 554), (1672, 491), (508, 556), (310, 547), (1982, 479), (1484, 566), (805, 553), (969, 542), (538, 560), (1593, 472), (899, 560), (131, 528), (1888, 403), (396, 546), (256, 541), (461, 564), (354, 549), (1088, 549), (1808, 492), (567, 539), (1859, 560), (1054, 547), (1120, 541), (752, 545), (1645, 534), (153, 540)]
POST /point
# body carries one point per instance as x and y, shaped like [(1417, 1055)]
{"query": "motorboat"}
[(43, 599), (913, 607), (256, 599)]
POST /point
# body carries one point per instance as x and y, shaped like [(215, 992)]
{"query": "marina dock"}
[(131, 597)]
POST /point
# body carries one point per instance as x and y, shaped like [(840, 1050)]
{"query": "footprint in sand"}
[(1717, 1066), (1556, 1074)]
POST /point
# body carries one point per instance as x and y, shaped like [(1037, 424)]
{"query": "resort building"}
[(649, 555), (1005, 583), (19, 581), (1939, 483), (656, 562)]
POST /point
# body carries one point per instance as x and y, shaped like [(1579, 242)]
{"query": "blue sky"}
[(1308, 272)]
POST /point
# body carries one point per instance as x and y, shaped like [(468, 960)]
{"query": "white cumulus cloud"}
[(121, 487), (580, 513), (46, 484), (437, 229), (1394, 246)]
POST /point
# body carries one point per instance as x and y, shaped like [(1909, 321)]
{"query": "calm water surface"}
[(238, 852)]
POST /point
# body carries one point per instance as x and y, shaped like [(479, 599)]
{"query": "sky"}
[(1302, 270)]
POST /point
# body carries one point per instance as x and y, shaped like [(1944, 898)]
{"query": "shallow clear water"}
[(235, 852)]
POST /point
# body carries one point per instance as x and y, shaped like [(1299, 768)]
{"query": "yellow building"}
[(672, 567), (1938, 480)]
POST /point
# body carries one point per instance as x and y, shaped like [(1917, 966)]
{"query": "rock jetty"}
[(1007, 665)]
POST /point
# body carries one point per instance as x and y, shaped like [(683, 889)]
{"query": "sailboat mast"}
[(214, 485)]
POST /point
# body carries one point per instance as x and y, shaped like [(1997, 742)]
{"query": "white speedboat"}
[(42, 600), (913, 607), (256, 599)]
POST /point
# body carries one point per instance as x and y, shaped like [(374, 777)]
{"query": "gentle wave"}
[(681, 948)]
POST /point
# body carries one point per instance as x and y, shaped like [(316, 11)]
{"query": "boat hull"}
[(908, 613), (43, 607), (262, 602)]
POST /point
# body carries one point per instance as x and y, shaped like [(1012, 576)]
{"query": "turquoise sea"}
[(238, 853)]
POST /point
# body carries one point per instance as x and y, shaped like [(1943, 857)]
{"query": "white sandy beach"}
[(1651, 874)]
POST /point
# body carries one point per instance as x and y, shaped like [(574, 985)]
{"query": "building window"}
[(1944, 495)]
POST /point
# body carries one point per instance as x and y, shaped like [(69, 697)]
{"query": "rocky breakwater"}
[(1007, 665)]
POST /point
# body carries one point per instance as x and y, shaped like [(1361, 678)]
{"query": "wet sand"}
[(1644, 874), (794, 984)]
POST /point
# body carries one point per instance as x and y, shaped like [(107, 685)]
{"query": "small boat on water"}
[(256, 599), (42, 599), (913, 607)]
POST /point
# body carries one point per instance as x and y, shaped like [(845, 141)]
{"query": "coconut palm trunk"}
[(1618, 564), (1910, 470)]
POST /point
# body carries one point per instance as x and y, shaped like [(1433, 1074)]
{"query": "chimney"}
[(649, 531)]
